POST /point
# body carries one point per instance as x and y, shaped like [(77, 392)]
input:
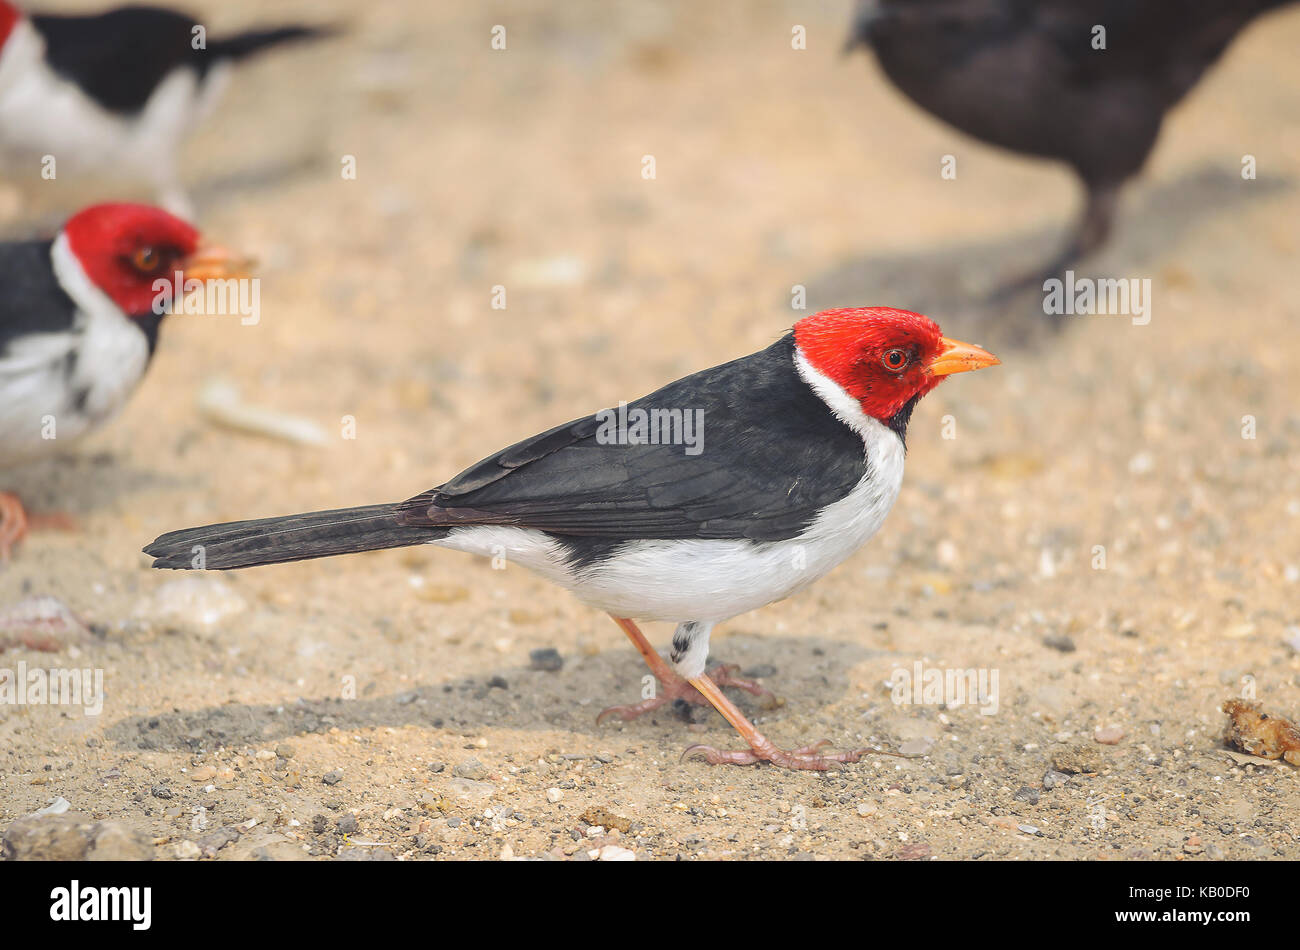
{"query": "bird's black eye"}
[(894, 359)]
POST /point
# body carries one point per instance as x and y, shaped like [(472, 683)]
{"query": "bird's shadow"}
[(954, 282), (80, 483), (251, 179), (44, 210), (516, 698)]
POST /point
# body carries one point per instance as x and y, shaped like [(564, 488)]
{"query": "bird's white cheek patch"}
[(113, 352)]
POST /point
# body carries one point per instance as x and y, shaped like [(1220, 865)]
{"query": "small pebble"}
[(547, 659), (1108, 735), (1026, 794), (554, 795), (1053, 778), (1077, 759), (332, 778), (1060, 642), (919, 746), (56, 807), (471, 769)]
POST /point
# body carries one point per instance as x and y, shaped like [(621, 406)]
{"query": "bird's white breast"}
[(54, 387), (712, 580)]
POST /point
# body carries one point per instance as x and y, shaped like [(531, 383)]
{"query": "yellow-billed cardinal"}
[(802, 458), (78, 324), (118, 90)]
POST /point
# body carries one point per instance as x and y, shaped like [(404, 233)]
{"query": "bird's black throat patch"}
[(899, 420), (149, 324)]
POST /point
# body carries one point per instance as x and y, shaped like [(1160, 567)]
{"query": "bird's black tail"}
[(221, 547), (246, 44)]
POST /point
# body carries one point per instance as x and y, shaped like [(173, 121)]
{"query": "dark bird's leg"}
[(672, 686), (13, 523), (1088, 236)]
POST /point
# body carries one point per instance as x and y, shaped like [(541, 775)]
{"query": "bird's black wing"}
[(118, 58), (772, 456), (32, 301)]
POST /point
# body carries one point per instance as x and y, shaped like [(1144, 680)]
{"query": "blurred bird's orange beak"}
[(959, 357), (213, 262)]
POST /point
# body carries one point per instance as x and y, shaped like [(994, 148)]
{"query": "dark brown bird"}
[(1031, 76)]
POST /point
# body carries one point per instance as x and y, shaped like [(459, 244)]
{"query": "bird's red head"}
[(882, 357), (125, 248), (9, 17)]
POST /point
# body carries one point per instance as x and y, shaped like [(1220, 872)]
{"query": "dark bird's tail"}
[(221, 547), (246, 44)]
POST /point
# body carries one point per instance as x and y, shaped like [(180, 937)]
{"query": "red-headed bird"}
[(79, 318), (800, 461)]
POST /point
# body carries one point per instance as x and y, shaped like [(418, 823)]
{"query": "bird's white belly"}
[(43, 407), (54, 387), (707, 580)]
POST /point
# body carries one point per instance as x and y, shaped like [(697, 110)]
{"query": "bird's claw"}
[(13, 524), (632, 710), (807, 757)]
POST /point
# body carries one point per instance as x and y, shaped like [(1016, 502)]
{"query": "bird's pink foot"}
[(13, 524), (807, 757), (672, 687), (761, 748), (51, 521)]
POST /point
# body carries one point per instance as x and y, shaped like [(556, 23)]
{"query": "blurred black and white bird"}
[(801, 459), (79, 318), (117, 92), (1029, 76)]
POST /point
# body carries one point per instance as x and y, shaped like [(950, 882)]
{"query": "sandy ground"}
[(386, 705)]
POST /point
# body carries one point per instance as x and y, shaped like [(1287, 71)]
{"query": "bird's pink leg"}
[(672, 686), (761, 748), (13, 523)]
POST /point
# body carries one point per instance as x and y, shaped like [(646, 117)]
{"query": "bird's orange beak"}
[(213, 262), (959, 357)]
